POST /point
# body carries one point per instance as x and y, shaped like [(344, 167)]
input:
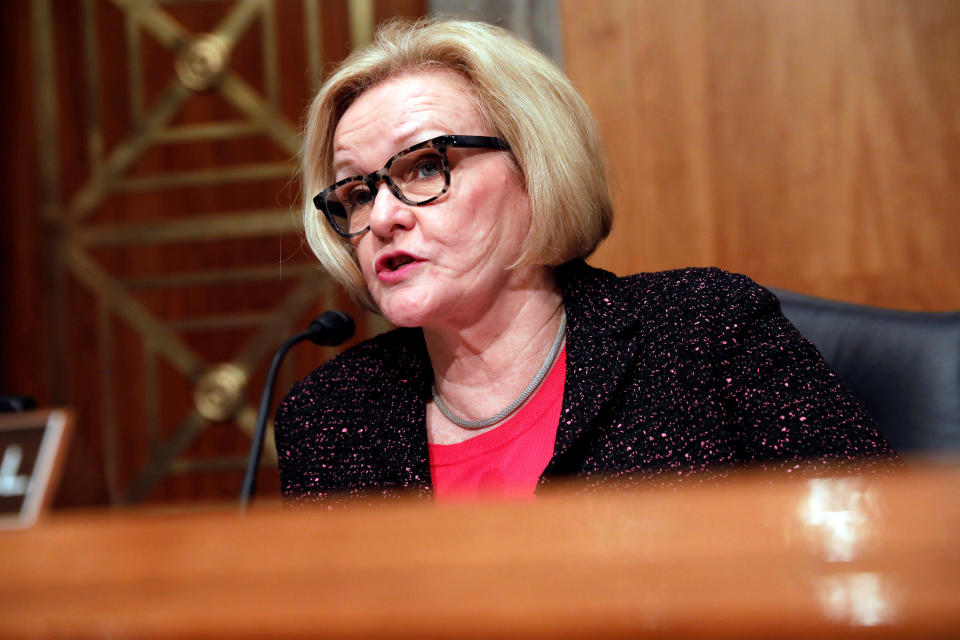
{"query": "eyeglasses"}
[(417, 175)]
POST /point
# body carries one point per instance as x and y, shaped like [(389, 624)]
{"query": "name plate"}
[(32, 445)]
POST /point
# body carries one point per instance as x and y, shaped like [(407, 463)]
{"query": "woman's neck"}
[(482, 364)]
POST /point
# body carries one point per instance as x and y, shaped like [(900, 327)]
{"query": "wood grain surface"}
[(814, 146), (752, 558)]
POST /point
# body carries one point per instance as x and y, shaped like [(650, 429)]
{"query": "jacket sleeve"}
[(787, 409), (299, 441), (318, 455)]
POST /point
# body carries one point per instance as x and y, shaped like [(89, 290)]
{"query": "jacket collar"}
[(598, 297)]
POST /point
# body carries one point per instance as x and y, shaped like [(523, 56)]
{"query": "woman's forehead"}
[(404, 110)]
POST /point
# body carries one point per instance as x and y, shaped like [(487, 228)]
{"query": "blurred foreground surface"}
[(845, 557)]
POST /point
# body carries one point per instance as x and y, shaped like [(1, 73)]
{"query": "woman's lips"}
[(395, 267)]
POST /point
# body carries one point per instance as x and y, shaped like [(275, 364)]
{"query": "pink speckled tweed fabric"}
[(671, 376)]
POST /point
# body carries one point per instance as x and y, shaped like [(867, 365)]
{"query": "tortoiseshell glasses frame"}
[(418, 175)]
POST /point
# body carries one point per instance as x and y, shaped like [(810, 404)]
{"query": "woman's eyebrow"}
[(400, 143), (349, 167), (340, 156)]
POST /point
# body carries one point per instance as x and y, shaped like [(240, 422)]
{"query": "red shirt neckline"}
[(516, 425)]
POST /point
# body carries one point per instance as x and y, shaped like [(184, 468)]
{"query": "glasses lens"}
[(349, 206), (419, 175)]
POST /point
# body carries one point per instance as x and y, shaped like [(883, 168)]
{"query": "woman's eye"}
[(427, 169), (426, 166), (358, 196)]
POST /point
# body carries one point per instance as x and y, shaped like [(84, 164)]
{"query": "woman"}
[(456, 182)]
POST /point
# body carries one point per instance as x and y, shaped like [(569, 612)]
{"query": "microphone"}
[(329, 329)]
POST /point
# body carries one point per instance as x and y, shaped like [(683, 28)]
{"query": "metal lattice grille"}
[(98, 221)]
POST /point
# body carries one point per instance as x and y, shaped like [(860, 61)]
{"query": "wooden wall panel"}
[(812, 145)]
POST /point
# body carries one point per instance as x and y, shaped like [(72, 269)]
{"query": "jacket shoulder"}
[(688, 292), (358, 374), (710, 283), (705, 288)]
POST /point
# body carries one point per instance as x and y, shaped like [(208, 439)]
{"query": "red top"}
[(505, 462)]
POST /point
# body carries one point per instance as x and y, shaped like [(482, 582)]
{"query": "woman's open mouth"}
[(394, 267), (398, 261)]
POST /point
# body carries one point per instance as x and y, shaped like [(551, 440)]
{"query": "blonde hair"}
[(521, 96)]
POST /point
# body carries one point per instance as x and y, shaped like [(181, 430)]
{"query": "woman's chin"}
[(405, 320), (404, 310)]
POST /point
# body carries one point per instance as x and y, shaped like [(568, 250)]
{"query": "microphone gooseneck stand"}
[(330, 329)]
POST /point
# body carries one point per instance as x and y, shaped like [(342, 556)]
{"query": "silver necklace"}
[(513, 406)]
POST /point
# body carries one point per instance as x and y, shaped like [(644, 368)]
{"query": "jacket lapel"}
[(600, 349)]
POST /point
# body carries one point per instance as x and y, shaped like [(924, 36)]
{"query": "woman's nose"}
[(388, 214)]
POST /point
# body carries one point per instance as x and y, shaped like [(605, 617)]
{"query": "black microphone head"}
[(331, 328)]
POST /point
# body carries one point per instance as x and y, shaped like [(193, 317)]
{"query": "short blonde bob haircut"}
[(521, 96)]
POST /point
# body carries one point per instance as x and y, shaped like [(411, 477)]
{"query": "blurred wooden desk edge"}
[(825, 558)]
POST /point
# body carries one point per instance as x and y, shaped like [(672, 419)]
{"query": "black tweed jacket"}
[(670, 376)]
